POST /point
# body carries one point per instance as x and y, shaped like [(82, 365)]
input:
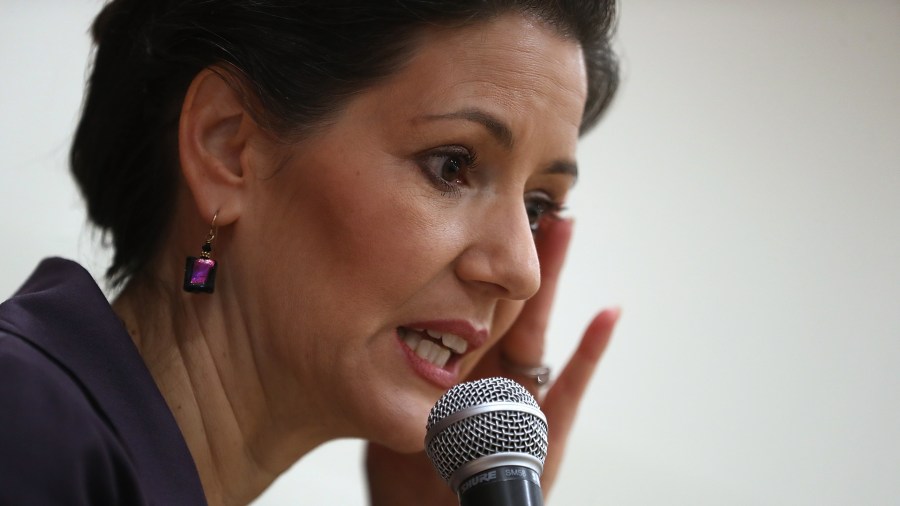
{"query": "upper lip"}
[(474, 335)]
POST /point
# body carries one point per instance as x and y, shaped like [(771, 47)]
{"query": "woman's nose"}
[(501, 255)]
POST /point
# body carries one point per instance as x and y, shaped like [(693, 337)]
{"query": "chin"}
[(408, 444), (399, 426), (402, 439)]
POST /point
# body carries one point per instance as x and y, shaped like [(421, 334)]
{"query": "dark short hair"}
[(296, 61)]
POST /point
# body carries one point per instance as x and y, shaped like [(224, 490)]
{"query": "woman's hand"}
[(409, 479)]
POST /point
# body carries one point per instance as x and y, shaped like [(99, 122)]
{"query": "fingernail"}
[(615, 311)]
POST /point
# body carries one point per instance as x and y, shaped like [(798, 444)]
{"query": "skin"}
[(328, 245)]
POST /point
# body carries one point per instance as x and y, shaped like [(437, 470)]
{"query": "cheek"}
[(506, 313), (368, 235)]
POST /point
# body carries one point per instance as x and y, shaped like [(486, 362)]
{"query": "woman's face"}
[(402, 233)]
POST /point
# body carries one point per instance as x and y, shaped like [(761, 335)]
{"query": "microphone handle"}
[(502, 486)]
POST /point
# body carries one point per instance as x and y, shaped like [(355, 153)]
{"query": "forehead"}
[(512, 65)]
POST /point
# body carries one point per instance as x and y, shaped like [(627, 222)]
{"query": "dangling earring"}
[(200, 273)]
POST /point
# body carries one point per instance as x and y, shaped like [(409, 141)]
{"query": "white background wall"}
[(741, 201)]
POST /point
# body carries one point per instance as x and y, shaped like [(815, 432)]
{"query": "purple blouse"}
[(81, 419)]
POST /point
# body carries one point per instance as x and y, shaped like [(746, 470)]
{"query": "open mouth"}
[(438, 348)]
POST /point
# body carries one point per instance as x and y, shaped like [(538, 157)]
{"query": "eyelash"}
[(466, 160), (547, 208), (540, 205)]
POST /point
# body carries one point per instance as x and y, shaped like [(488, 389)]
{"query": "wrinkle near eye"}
[(494, 125)]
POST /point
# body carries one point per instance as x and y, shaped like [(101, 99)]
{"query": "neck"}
[(239, 432)]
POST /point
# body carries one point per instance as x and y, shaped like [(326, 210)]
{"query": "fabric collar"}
[(62, 311)]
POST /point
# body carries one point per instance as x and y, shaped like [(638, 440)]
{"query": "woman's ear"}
[(213, 132)]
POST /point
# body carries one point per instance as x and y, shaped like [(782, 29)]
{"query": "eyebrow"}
[(503, 134), (497, 128), (565, 168)]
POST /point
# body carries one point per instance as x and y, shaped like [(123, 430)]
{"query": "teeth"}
[(433, 352), (442, 357), (430, 350), (454, 342), (426, 349), (411, 339)]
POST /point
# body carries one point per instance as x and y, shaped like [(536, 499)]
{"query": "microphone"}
[(488, 440)]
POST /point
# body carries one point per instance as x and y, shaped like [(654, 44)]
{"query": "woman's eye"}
[(450, 169), (538, 207), (447, 167)]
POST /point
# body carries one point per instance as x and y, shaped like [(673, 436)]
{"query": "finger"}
[(524, 342), (562, 400)]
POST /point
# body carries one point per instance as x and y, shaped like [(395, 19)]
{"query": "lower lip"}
[(443, 378)]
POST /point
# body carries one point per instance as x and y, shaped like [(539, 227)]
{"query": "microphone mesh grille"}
[(485, 433)]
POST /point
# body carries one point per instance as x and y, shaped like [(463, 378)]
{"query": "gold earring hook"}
[(212, 229)]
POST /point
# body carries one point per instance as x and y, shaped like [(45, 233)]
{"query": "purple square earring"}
[(200, 272)]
